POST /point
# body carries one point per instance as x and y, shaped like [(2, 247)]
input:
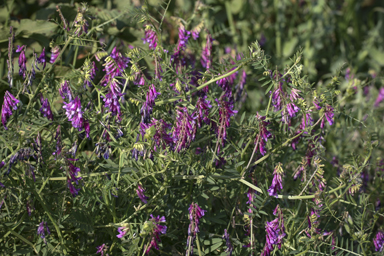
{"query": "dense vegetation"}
[(191, 127)]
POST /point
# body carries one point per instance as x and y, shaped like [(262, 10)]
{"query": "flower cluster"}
[(263, 135), (277, 183), (72, 177), (102, 249), (206, 57), (154, 229), (22, 60), (9, 103), (228, 243), (378, 241), (275, 232), (195, 214), (41, 59), (75, 115), (202, 111), (225, 112), (140, 193), (150, 38), (185, 130), (46, 109), (146, 109), (41, 230)]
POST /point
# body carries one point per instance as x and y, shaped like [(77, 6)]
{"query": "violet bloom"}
[(183, 38), (380, 97), (101, 249), (155, 229), (140, 193), (65, 91), (328, 115), (114, 64), (158, 133), (263, 135), (55, 53), (111, 99), (74, 113), (41, 230), (226, 83), (240, 86), (185, 129), (277, 181), (72, 177), (146, 109), (150, 38), (275, 232), (41, 59), (22, 60), (378, 241), (9, 104), (277, 97), (202, 111), (292, 109), (195, 214), (122, 232), (317, 104), (206, 57), (294, 94), (225, 112), (46, 109), (228, 243)]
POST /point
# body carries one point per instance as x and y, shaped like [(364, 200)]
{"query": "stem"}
[(269, 104), (198, 244), (161, 102), (231, 23), (75, 56)]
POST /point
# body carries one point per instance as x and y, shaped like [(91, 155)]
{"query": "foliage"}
[(242, 127)]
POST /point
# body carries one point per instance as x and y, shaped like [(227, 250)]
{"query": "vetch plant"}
[(135, 116)]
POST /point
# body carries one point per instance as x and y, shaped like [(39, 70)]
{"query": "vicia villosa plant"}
[(134, 132)]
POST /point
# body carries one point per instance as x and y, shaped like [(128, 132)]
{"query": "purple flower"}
[(202, 111), (22, 60), (41, 59), (195, 214), (328, 115), (277, 181), (159, 133), (294, 94), (317, 104), (185, 129), (206, 57), (378, 241), (275, 232), (277, 96), (40, 230), (225, 112), (46, 109), (380, 97), (74, 113), (226, 83), (72, 177), (140, 193), (155, 230), (102, 249), (263, 135), (240, 87), (122, 231), (146, 109), (65, 91), (228, 243), (292, 109), (9, 103), (183, 38), (55, 53), (150, 38), (111, 99)]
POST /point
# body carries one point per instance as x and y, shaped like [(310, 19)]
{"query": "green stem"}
[(198, 244), (75, 57), (161, 102)]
